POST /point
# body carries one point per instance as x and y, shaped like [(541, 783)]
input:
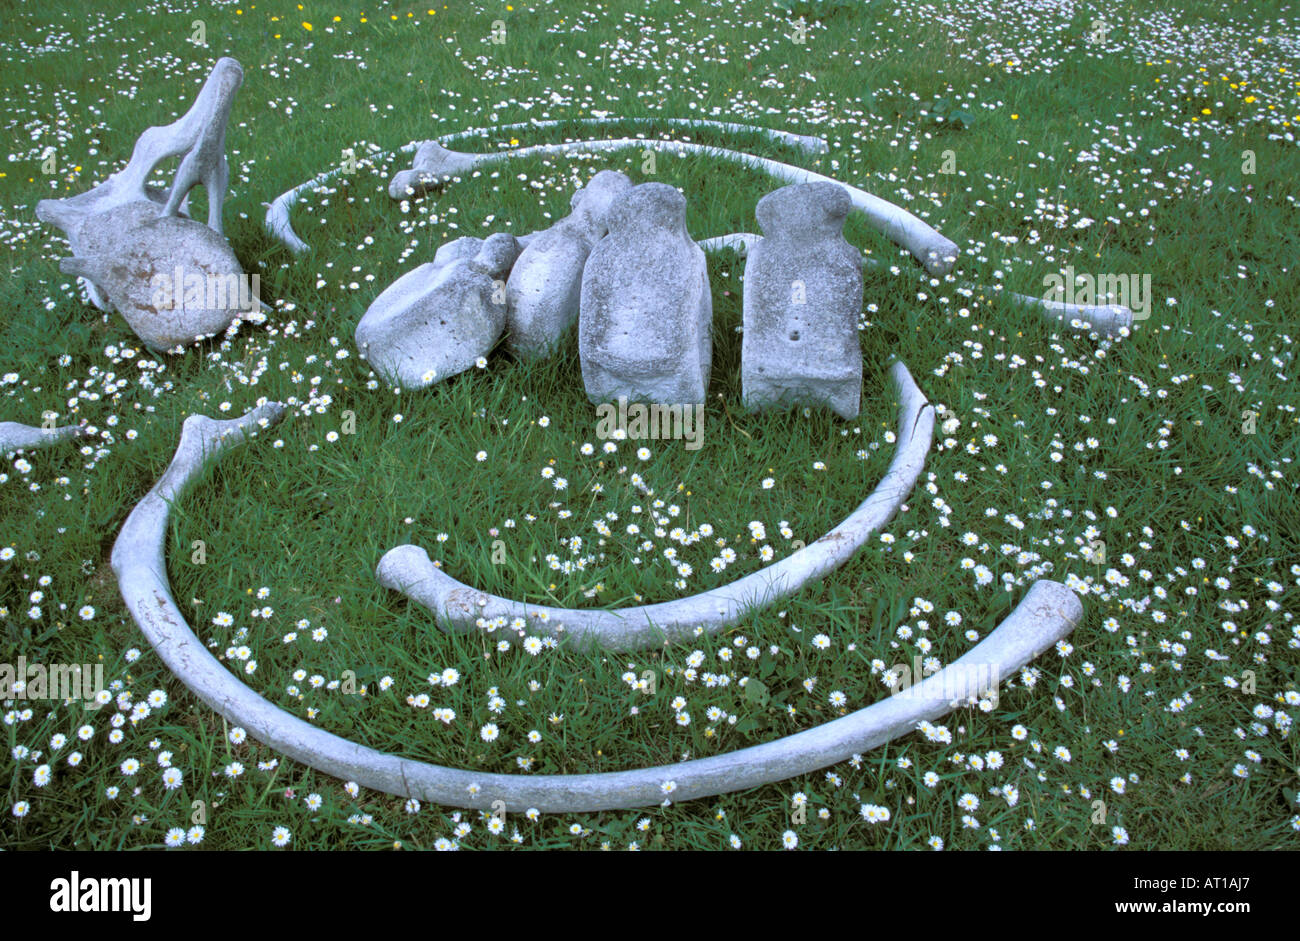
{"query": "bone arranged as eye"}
[(458, 606), (1047, 613)]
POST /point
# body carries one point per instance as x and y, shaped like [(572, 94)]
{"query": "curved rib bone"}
[(277, 211), (15, 435), (1048, 612), (937, 253), (805, 142), (1107, 319), (459, 607)]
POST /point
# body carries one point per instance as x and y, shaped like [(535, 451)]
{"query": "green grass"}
[(1137, 442)]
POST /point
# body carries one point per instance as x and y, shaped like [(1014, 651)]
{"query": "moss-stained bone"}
[(126, 249)]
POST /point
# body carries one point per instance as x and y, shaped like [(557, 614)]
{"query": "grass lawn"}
[(1161, 142)]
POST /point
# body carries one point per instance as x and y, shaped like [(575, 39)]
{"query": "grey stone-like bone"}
[(433, 163), (1048, 612), (459, 607), (69, 219), (1105, 319), (646, 314), (199, 134), (545, 285), (124, 249), (802, 301), (15, 436), (123, 232), (434, 321), (937, 253)]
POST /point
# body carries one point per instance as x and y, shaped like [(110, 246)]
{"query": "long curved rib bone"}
[(805, 142), (277, 212), (15, 435), (1105, 319), (1048, 612), (937, 253), (459, 607)]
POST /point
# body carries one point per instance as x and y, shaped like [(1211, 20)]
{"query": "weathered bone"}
[(15, 436), (279, 224), (645, 311), (433, 163), (937, 253), (459, 607), (802, 302), (117, 218), (126, 249), (1048, 612), (200, 134), (805, 142), (544, 291), (436, 320), (1105, 319)]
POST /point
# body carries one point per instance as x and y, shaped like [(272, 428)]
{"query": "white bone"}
[(1106, 319), (1047, 613), (805, 142), (936, 253), (199, 134), (459, 607), (15, 436), (277, 211)]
